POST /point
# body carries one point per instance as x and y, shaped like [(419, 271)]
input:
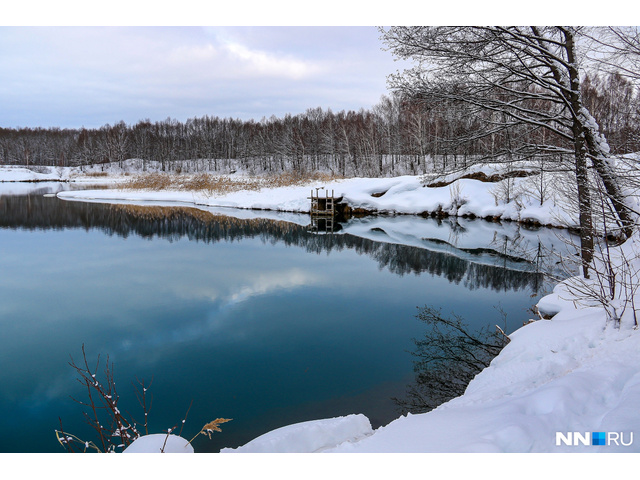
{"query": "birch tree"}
[(531, 77)]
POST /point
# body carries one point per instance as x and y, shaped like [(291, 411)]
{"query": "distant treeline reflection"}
[(37, 212)]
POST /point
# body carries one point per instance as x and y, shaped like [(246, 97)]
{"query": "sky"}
[(68, 64), (75, 76)]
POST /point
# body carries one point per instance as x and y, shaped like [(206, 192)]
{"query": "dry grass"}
[(288, 179), (96, 174), (209, 428), (221, 185)]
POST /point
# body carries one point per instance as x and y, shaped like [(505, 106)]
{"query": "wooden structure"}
[(324, 209), (323, 205)]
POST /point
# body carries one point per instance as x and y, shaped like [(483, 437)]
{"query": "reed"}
[(223, 184), (212, 426)]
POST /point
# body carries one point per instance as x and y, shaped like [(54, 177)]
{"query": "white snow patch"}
[(307, 437), (159, 443)]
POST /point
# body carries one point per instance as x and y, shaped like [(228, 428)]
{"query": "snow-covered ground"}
[(560, 385), (400, 195), (92, 175)]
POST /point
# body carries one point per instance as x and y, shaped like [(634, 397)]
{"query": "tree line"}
[(405, 133)]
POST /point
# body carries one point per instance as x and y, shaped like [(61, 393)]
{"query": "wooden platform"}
[(326, 204), (323, 205), (324, 209)]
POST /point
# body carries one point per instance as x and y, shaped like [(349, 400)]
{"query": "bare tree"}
[(449, 356), (616, 49), (530, 77)]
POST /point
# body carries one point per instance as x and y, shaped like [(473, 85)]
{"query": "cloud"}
[(75, 76), (261, 63), (266, 284), (239, 288), (221, 59)]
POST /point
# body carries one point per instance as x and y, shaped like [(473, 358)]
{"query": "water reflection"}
[(253, 319), (501, 265), (447, 358)]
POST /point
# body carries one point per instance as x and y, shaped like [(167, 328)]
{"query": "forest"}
[(399, 135), (402, 134)]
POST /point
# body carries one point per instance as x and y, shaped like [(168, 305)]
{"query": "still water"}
[(256, 320)]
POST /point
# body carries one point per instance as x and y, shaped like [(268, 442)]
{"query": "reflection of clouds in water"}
[(270, 283), (216, 320), (221, 288)]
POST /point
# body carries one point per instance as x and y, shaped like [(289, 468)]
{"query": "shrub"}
[(114, 429)]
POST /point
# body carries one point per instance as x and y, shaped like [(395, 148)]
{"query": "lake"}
[(256, 319)]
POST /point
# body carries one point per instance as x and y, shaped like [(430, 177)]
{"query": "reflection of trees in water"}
[(174, 223), (448, 357)]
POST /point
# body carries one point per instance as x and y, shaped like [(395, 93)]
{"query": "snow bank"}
[(159, 443), (307, 437), (93, 174), (9, 173), (399, 195)]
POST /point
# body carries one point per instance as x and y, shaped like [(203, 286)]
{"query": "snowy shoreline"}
[(403, 195), (578, 372)]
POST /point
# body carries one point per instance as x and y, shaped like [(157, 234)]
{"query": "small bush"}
[(115, 430)]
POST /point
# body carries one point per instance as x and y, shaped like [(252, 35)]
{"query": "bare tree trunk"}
[(582, 173), (584, 209), (611, 184)]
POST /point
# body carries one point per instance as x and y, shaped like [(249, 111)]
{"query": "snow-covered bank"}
[(530, 199), (9, 173), (399, 195), (83, 175), (309, 437)]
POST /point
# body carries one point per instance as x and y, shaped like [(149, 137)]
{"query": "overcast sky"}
[(78, 75), (91, 76)]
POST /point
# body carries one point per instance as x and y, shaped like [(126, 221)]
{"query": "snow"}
[(306, 437), (23, 174), (159, 443), (403, 195), (577, 372)]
